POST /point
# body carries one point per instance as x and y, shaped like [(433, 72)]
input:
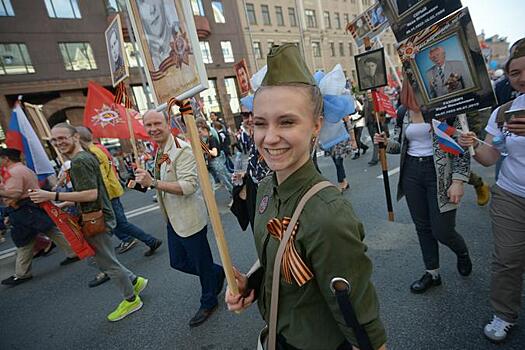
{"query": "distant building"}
[(494, 48)]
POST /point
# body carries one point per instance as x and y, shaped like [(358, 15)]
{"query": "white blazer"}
[(187, 212)]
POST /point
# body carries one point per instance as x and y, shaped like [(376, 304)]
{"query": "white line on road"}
[(133, 211), (142, 211), (4, 254), (390, 173)]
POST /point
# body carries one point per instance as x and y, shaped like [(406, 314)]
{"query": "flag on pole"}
[(444, 133), (106, 118), (382, 103), (21, 136)]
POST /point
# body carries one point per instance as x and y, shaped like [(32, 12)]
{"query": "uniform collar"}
[(293, 184), (168, 145)]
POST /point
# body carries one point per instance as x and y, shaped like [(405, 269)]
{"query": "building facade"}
[(318, 27), (50, 49)]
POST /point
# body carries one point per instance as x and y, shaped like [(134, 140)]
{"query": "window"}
[(327, 22), (231, 90), (270, 44), (140, 97), (347, 19), (218, 11), (209, 97), (337, 20), (316, 48), (63, 9), (117, 5), (196, 7), (389, 49), (291, 16), (206, 52), (311, 21), (77, 56), (341, 49), (266, 15), (6, 9), (227, 52), (132, 55), (279, 15), (250, 10), (350, 49), (14, 59), (332, 49), (257, 49)]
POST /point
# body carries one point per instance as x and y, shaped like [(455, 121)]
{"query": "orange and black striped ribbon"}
[(121, 94), (164, 158), (292, 265)]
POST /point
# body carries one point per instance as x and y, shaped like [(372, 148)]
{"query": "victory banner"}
[(446, 68), (169, 47)]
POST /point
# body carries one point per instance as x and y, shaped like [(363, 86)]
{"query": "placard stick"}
[(209, 198), (464, 126)]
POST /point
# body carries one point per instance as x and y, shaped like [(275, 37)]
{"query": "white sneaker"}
[(497, 329)]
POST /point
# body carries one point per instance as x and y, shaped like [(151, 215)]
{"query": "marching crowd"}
[(302, 226)]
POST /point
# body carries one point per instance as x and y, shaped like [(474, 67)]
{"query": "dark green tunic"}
[(329, 241)]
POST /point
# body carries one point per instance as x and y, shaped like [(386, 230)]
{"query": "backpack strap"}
[(500, 117)]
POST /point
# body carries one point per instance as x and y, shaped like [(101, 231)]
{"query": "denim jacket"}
[(448, 167)]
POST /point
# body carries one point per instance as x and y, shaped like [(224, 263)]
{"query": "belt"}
[(420, 159)]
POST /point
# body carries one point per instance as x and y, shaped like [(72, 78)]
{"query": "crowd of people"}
[(305, 231)]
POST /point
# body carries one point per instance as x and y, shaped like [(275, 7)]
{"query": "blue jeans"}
[(217, 164), (126, 230), (193, 255)]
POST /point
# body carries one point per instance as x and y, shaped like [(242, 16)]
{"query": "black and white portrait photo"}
[(371, 69), (116, 54)]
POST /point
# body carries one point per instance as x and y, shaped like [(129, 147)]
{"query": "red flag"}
[(382, 103), (108, 119)]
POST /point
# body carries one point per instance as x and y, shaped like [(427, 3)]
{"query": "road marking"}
[(141, 211), (4, 254), (390, 173), (133, 211)]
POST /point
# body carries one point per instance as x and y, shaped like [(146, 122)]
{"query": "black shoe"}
[(153, 248), (69, 260), (356, 156), (48, 250), (220, 282), (373, 162), (15, 281), (425, 283), (201, 316), (464, 264), (98, 280), (364, 148)]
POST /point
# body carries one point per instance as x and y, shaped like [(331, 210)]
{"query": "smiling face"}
[(284, 125), (156, 126), (114, 46), (437, 56), (153, 17), (65, 141), (516, 74)]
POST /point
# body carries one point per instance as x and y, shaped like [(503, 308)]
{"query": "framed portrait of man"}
[(446, 68), (243, 77), (117, 56), (169, 47), (371, 69)]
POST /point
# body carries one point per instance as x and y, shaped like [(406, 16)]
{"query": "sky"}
[(502, 17)]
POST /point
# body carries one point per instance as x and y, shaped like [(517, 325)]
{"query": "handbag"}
[(93, 223), (272, 324)]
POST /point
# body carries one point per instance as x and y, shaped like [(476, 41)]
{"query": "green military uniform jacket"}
[(329, 241)]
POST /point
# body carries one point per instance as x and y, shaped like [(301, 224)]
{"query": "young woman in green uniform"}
[(327, 242)]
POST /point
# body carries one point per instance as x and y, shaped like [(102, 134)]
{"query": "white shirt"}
[(512, 174), (419, 140)]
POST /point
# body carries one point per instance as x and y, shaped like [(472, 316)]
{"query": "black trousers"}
[(340, 169), (432, 226)]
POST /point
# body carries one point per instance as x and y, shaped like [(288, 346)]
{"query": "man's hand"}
[(517, 125), (455, 191), (143, 177), (39, 196)]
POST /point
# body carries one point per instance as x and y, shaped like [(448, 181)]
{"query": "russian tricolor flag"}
[(444, 134), (20, 135)]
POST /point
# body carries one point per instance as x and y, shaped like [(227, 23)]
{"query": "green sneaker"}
[(140, 285), (124, 309)]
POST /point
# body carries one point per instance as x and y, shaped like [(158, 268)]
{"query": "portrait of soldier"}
[(117, 64), (371, 72)]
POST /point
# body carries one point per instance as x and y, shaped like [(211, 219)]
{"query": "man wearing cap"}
[(446, 76), (183, 207), (26, 218)]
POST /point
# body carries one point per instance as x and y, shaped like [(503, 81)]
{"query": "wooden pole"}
[(132, 139), (464, 125), (209, 198)]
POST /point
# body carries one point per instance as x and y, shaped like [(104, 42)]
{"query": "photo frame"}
[(371, 69), (243, 77), (445, 66), (407, 17), (118, 64), (368, 25), (175, 69)]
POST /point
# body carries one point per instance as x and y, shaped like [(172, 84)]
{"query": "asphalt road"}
[(56, 310)]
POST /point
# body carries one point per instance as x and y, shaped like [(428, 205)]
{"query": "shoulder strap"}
[(500, 117), (272, 325)]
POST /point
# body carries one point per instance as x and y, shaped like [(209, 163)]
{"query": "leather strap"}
[(272, 325)]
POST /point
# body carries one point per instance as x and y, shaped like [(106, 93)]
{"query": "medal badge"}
[(264, 204)]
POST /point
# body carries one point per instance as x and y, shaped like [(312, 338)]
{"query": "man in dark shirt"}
[(91, 196)]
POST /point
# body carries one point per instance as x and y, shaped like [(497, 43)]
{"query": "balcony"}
[(203, 27)]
